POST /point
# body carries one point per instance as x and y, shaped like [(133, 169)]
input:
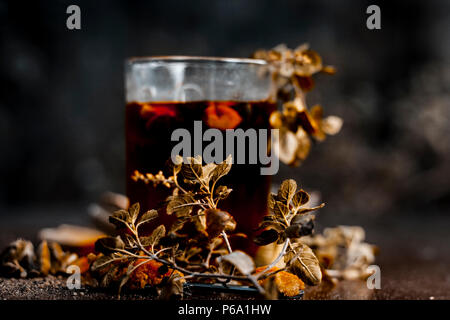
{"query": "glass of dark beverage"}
[(167, 93)]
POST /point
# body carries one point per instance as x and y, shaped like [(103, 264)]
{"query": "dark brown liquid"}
[(149, 127)]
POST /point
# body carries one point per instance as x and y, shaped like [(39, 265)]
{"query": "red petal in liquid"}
[(152, 113), (221, 116)]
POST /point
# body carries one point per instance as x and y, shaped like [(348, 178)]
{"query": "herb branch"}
[(293, 71), (200, 232)]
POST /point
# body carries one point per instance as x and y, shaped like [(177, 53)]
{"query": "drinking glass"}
[(167, 93)]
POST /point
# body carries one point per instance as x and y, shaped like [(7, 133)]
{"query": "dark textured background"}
[(62, 99)]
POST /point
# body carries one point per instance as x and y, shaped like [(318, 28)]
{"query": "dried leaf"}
[(298, 230), (192, 170), (192, 252), (110, 276), (300, 198), (148, 216), (218, 221), (200, 222), (308, 63), (120, 218), (271, 202), (222, 192), (177, 225), (276, 119), (154, 238), (173, 289), (221, 169), (172, 166), (307, 122), (306, 210), (101, 262), (126, 277), (303, 145), (287, 190), (108, 245), (129, 240), (207, 170), (286, 69), (331, 125), (271, 223), (242, 261), (43, 254), (285, 145), (303, 263), (306, 83), (56, 251), (133, 212), (17, 259), (280, 209), (181, 205), (266, 237)]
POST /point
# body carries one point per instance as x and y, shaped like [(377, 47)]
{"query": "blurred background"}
[(62, 102)]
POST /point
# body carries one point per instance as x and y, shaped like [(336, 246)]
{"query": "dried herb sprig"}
[(194, 201), (288, 222), (196, 195), (293, 71), (199, 233), (133, 247), (156, 179)]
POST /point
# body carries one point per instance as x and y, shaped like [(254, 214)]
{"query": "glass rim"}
[(176, 58)]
